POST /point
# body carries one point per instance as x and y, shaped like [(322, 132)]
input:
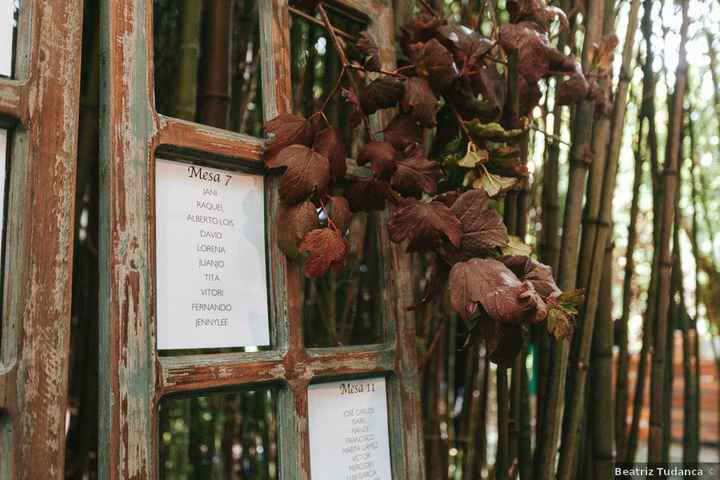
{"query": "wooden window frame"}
[(40, 109), (133, 377)]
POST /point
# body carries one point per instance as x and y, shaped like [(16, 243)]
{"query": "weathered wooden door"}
[(39, 97), (148, 355)]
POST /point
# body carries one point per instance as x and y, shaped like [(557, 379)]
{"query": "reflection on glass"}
[(207, 62), (315, 70), (8, 33), (343, 307), (219, 435), (346, 307)]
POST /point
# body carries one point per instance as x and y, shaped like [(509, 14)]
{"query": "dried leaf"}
[(489, 283), (416, 174), (536, 58), (338, 209), (435, 62), (420, 101), (383, 92), (421, 28), (494, 185), (368, 46), (473, 157), (601, 55), (573, 90), (516, 247), (402, 132), (297, 221), (284, 130), (425, 225), (325, 248), (307, 172), (483, 230), (366, 195), (328, 143), (559, 324), (527, 269), (381, 156)]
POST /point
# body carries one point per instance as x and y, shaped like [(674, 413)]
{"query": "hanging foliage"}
[(478, 103)]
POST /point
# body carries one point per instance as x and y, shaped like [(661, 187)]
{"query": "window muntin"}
[(207, 63)]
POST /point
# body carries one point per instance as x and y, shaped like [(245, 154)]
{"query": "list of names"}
[(348, 424), (210, 257)]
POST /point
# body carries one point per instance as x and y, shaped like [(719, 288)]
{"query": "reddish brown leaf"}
[(325, 248), (425, 225), (489, 283), (483, 230), (296, 221), (502, 340), (466, 45), (366, 195), (370, 50), (381, 156), (601, 55), (307, 172), (421, 28), (536, 58), (328, 143), (540, 275), (287, 129), (383, 92), (420, 101), (402, 131), (573, 90), (416, 174), (338, 209), (435, 62)]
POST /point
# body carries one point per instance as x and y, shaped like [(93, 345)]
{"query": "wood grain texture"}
[(39, 238), (133, 376)]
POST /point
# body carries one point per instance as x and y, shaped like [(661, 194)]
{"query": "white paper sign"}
[(7, 22), (210, 257), (348, 428)]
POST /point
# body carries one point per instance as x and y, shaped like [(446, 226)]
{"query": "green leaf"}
[(492, 131)]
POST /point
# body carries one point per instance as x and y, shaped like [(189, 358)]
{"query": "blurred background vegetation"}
[(207, 69)]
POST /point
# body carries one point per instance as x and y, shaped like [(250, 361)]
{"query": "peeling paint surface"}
[(39, 238), (133, 376)]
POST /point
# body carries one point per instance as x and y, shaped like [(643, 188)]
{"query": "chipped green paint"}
[(132, 376)]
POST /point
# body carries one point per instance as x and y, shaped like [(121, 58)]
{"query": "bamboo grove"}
[(551, 168)]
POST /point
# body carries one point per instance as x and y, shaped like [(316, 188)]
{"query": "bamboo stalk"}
[(657, 380), (502, 458), (214, 94), (602, 376), (582, 129), (186, 89)]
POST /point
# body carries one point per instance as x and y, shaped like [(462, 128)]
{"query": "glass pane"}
[(221, 435), (207, 62), (8, 34), (343, 307), (315, 70), (346, 307)]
